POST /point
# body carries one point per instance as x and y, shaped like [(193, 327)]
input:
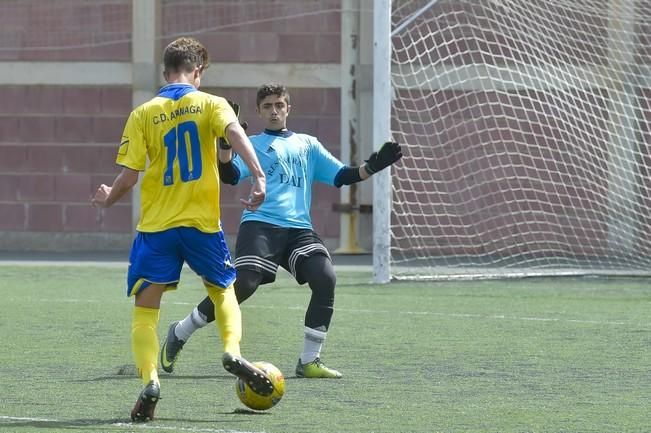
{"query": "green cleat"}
[(170, 350), (316, 369)]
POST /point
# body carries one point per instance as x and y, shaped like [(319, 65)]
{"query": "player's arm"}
[(389, 153), (241, 144), (228, 172), (106, 196)]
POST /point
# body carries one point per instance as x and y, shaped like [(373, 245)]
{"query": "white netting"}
[(37, 26), (526, 126), (182, 17), (45, 26)]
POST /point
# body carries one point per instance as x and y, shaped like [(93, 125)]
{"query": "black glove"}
[(236, 107), (223, 144), (388, 154)]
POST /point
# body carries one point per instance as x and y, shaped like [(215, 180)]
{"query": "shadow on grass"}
[(129, 372), (163, 377)]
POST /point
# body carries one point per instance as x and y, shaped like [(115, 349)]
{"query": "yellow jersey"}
[(173, 139)]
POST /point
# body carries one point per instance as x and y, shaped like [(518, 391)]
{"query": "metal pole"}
[(349, 220), (381, 133)]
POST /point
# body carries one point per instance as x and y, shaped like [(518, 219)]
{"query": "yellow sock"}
[(144, 342), (229, 317)]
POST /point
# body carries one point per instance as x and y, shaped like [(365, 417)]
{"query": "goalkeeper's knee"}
[(246, 284)]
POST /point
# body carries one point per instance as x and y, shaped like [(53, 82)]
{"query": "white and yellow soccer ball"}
[(256, 401)]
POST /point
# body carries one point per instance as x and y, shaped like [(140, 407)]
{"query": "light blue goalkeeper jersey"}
[(291, 162)]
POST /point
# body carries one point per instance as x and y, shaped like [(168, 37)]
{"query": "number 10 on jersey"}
[(176, 141)]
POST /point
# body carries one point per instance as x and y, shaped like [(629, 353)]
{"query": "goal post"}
[(381, 133), (526, 133)]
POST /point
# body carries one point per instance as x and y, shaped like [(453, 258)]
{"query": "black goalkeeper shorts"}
[(262, 247)]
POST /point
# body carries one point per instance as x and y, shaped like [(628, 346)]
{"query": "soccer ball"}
[(262, 402)]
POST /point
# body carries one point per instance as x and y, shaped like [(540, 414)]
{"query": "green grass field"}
[(531, 355)]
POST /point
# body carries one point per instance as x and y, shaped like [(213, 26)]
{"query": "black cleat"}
[(257, 379), (143, 411), (169, 352)]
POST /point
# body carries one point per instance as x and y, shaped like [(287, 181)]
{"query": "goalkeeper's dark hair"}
[(271, 89), (184, 54)]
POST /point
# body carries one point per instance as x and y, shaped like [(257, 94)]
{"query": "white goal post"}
[(526, 132)]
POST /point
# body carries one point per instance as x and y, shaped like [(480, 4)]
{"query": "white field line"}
[(405, 313), (174, 428), (465, 315), (365, 269), (131, 426), (21, 418), (62, 263)]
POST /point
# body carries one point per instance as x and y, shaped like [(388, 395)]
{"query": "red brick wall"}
[(65, 30), (58, 143)]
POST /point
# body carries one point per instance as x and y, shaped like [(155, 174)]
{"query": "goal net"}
[(94, 30), (526, 131)]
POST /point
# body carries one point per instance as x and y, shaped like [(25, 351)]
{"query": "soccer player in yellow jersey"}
[(173, 139)]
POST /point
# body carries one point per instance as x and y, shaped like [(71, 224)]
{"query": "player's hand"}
[(223, 144), (389, 153), (236, 108), (101, 195), (257, 195)]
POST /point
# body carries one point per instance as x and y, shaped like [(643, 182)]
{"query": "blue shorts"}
[(157, 258)]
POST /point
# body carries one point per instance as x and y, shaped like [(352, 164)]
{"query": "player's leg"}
[(319, 273), (155, 267), (228, 316), (207, 254), (179, 332), (229, 325), (260, 246), (201, 315), (208, 246), (204, 313), (309, 261), (144, 346), (144, 325)]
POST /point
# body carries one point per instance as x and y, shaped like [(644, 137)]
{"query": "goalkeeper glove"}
[(388, 154), (223, 144)]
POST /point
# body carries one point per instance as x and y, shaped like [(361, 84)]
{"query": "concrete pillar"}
[(145, 62)]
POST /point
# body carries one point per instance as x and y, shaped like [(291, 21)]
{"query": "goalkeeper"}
[(280, 231)]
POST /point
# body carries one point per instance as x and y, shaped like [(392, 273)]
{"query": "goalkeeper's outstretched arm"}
[(389, 153)]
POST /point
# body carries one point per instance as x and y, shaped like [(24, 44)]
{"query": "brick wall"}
[(58, 143)]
